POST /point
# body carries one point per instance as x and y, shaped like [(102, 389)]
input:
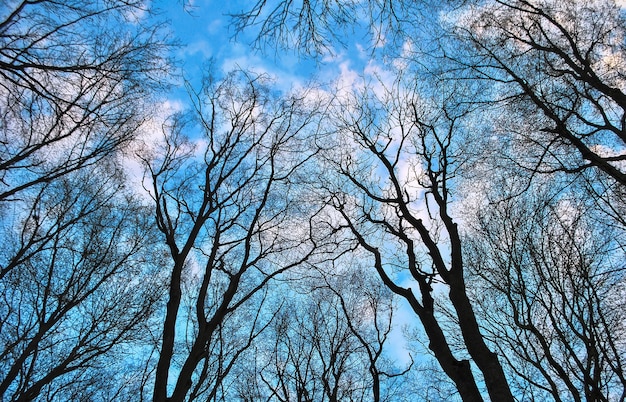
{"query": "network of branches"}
[(450, 228)]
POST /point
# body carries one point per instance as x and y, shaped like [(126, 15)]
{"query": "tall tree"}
[(552, 259), (76, 288), (71, 269), (320, 27), (553, 80), (72, 87), (227, 207), (328, 342), (548, 279), (400, 154)]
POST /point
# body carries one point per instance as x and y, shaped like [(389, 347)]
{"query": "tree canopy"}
[(449, 225)]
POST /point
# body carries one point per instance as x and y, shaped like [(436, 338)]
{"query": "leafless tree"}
[(551, 294), (558, 68), (77, 288), (554, 74), (399, 156), (326, 343), (552, 260), (368, 309), (316, 27), (315, 357), (71, 87), (229, 212)]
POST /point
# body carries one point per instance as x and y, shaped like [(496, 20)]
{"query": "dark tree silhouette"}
[(76, 289), (226, 210), (547, 280), (327, 341), (399, 152), (72, 88), (558, 66), (72, 272)]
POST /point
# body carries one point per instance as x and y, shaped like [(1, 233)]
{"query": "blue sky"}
[(203, 28), (204, 31)]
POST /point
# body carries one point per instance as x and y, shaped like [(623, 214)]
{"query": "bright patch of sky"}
[(204, 30)]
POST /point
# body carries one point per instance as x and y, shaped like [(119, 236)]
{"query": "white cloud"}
[(146, 144), (201, 48)]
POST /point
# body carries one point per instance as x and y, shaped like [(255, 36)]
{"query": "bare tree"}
[(327, 341), (78, 288), (315, 357), (552, 260), (401, 154), (368, 308), (554, 79), (71, 88), (226, 207), (316, 27), (550, 295), (559, 68)]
